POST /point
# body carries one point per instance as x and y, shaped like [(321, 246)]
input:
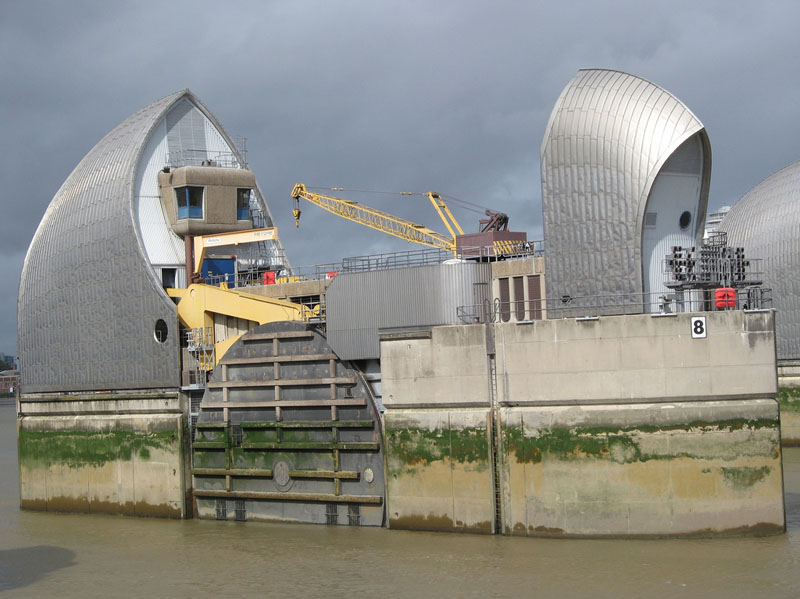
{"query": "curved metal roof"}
[(765, 222), (88, 297), (609, 135)]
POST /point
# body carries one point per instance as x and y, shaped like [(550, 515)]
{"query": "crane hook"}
[(296, 212)]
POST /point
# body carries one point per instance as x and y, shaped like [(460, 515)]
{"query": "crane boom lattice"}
[(375, 219)]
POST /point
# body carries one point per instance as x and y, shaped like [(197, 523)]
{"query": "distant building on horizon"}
[(713, 220)]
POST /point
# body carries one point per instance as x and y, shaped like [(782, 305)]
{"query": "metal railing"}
[(392, 260), (204, 158), (372, 262), (750, 298)]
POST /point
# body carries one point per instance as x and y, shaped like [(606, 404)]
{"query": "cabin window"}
[(190, 201), (534, 297), (168, 277), (505, 297), (519, 298), (242, 204)]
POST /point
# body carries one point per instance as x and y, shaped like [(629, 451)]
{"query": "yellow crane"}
[(383, 221)]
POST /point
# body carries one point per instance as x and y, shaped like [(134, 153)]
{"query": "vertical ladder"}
[(496, 445)]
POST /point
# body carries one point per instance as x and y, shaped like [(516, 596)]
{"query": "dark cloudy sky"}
[(410, 95)]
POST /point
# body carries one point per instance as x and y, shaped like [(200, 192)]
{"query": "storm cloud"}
[(452, 96)]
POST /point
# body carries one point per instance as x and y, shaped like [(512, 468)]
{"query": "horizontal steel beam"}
[(271, 359), (283, 404), (312, 445), (342, 380), (311, 497)]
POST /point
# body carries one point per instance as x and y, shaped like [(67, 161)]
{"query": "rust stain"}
[(83, 505), (39, 505), (761, 529), (520, 530), (429, 522), (436, 523), (546, 531)]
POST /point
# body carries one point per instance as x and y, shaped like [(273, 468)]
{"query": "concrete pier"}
[(612, 426), (121, 453)]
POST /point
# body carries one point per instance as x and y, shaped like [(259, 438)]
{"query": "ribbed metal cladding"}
[(607, 139), (88, 298), (766, 223), (359, 304)]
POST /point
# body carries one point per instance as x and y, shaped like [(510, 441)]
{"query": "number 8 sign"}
[(699, 330)]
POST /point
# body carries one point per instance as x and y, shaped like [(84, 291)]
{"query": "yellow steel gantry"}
[(382, 221), (198, 304), (202, 242)]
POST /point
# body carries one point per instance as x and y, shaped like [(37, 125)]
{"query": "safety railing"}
[(264, 275), (525, 310), (203, 157)]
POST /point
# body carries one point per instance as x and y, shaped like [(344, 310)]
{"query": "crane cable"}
[(461, 203)]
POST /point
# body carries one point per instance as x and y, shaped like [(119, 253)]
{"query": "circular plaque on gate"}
[(280, 474), (369, 475)]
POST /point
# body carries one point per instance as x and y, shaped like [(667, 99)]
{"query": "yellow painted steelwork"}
[(382, 221), (444, 213), (198, 304), (203, 242)]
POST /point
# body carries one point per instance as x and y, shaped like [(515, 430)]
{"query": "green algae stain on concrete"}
[(469, 445), (618, 444), (422, 446), (77, 448), (789, 399), (744, 476), (570, 444)]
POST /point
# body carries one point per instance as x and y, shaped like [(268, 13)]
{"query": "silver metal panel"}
[(607, 139), (89, 298), (186, 130), (766, 222), (359, 304)]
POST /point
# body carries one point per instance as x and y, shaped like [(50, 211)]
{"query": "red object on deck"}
[(269, 277), (725, 297)]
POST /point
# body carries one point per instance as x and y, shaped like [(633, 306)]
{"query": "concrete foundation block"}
[(438, 470), (124, 464), (681, 469)]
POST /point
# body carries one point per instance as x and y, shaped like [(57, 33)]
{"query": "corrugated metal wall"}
[(186, 128), (766, 222), (359, 304), (88, 298), (606, 140), (90, 291)]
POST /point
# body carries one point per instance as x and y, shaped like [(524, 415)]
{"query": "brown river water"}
[(72, 555)]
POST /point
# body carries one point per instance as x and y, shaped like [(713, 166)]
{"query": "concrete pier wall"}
[(437, 428), (683, 468), (438, 470), (121, 453), (618, 426)]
